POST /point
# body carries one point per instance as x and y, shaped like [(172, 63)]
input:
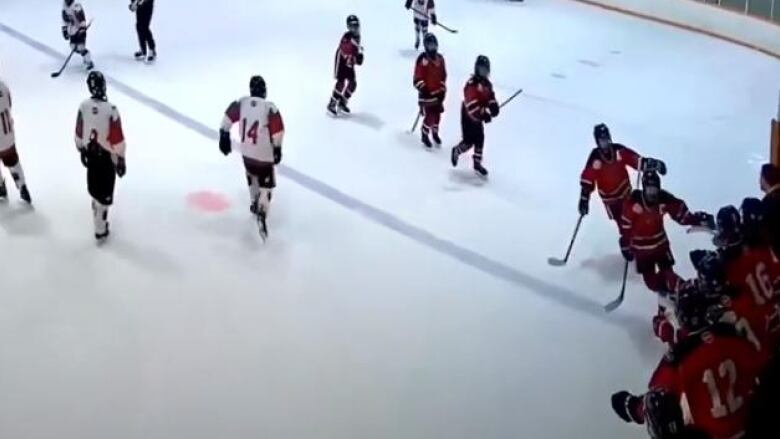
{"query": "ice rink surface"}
[(396, 297)]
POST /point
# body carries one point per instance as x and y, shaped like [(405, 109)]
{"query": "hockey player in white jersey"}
[(8, 155), (424, 13), (74, 29), (101, 143), (261, 131)]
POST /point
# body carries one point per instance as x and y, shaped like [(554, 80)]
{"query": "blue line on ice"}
[(469, 257)]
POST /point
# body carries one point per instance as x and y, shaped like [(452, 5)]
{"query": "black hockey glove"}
[(494, 108), (133, 6), (408, 4), (359, 58), (84, 157), (486, 117), (277, 155), (704, 219), (584, 206), (65, 33), (627, 407), (628, 255), (650, 164), (434, 20), (121, 167), (224, 142)]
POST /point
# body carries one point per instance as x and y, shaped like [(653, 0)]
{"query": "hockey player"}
[(261, 130), (424, 12), (101, 144), (642, 222), (143, 19), (430, 80), (348, 54), (74, 29), (8, 155), (606, 170), (714, 369), (479, 107), (664, 417)]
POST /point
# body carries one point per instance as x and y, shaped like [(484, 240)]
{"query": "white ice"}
[(184, 325)]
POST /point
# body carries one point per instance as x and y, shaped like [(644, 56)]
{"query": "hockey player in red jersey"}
[(262, 130), (713, 369), (424, 13), (606, 171), (74, 29), (348, 54), (8, 155), (430, 80), (479, 107), (101, 144), (642, 222)]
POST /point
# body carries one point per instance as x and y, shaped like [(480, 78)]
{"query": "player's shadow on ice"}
[(465, 177), (22, 220), (609, 268), (146, 258), (367, 120)]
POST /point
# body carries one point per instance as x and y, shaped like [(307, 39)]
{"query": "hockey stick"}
[(611, 306), (448, 29), (555, 262), (67, 60), (416, 121), (517, 93)]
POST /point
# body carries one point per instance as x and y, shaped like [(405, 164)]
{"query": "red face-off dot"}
[(205, 201)]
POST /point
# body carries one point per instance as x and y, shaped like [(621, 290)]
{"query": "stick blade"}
[(555, 262), (55, 75), (615, 304)]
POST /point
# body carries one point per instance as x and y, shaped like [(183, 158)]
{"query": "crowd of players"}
[(720, 377)]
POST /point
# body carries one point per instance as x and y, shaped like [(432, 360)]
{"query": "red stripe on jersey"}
[(115, 134), (233, 112), (275, 123), (80, 126)]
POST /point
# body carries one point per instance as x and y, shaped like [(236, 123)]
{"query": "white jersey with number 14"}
[(6, 121)]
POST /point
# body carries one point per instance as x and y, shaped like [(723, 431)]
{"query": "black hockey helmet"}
[(651, 186), (431, 43), (710, 272), (482, 66), (752, 221), (68, 2), (602, 136), (695, 309), (353, 24), (663, 415), (728, 228), (96, 83), (257, 87)]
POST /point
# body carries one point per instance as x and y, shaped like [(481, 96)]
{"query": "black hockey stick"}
[(611, 306), (67, 60), (517, 93), (555, 262), (64, 65), (448, 29), (416, 121)]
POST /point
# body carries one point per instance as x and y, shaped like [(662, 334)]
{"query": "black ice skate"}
[(262, 224), (426, 141), (3, 191), (454, 155), (24, 194), (140, 56), (332, 110), (343, 107), (90, 65), (253, 208), (436, 138), (480, 170), (102, 237), (152, 56)]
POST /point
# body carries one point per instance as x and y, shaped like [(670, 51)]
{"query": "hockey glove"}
[(408, 4), (494, 108), (704, 219), (486, 117), (434, 20), (65, 33), (277, 155), (224, 142), (627, 407), (359, 57), (133, 6), (121, 167), (84, 157), (628, 255), (584, 205)]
